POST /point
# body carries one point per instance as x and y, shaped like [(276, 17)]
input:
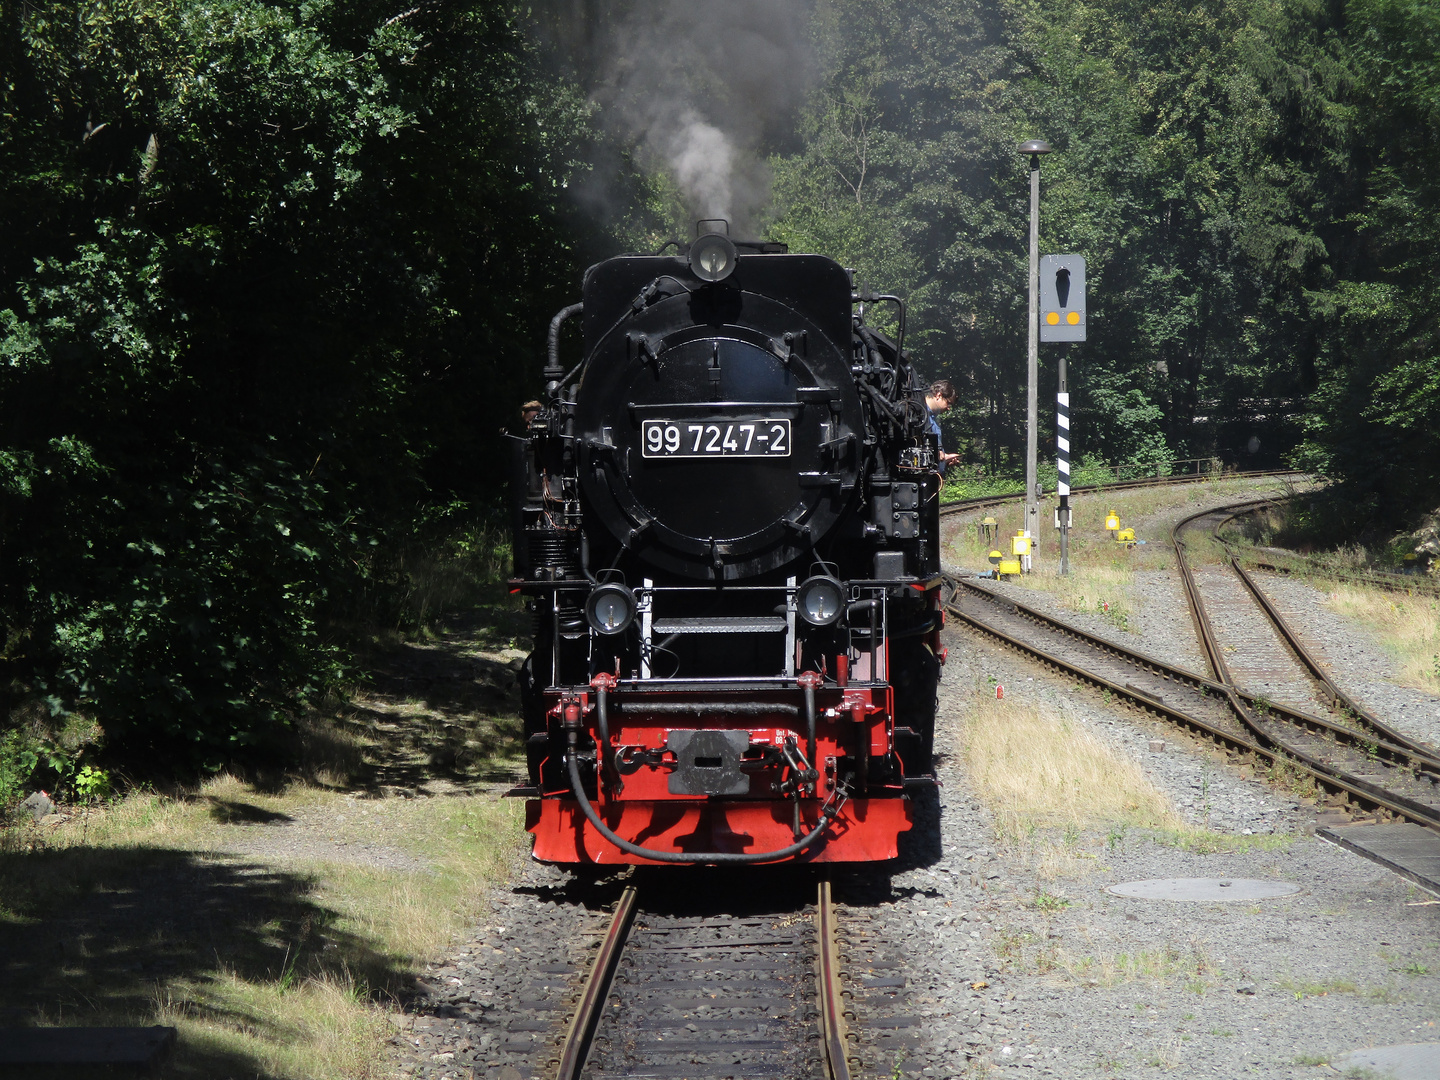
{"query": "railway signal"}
[(1062, 298), (1062, 319)]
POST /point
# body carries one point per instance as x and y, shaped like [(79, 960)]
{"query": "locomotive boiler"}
[(726, 520)]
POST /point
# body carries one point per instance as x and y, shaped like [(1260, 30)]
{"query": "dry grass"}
[(1037, 954), (1101, 590), (1034, 771), (1057, 792), (321, 1027), (1407, 627), (1046, 780), (281, 961)]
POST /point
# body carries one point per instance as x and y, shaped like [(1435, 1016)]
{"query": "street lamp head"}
[(1035, 146)]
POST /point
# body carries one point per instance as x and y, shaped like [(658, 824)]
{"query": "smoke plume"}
[(702, 89)]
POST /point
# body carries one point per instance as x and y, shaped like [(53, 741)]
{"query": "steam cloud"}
[(706, 89), (703, 160)]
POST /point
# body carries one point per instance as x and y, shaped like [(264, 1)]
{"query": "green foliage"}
[(18, 758), (273, 276), (1247, 181), (1376, 408), (92, 784)]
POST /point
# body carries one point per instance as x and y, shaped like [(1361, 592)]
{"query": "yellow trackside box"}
[(1009, 566), (1020, 545)]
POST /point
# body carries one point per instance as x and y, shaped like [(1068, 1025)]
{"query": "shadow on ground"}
[(445, 709), (118, 923)]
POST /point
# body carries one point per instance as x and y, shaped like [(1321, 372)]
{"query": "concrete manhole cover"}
[(1203, 888), (1414, 1061)]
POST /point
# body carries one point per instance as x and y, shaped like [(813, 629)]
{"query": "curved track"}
[(961, 505), (1353, 756), (1349, 712)]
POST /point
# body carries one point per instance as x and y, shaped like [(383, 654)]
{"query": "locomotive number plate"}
[(715, 438)]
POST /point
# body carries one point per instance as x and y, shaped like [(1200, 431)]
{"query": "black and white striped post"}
[(1062, 320), (1062, 462)]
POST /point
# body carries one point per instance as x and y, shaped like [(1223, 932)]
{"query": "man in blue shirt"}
[(938, 399)]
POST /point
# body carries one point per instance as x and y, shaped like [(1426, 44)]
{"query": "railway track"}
[(1238, 590), (1261, 558), (1279, 561), (674, 994), (983, 501), (1351, 755)]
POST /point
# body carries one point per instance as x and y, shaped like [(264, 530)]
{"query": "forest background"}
[(274, 275)]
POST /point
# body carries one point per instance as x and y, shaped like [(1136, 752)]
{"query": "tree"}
[(275, 275)]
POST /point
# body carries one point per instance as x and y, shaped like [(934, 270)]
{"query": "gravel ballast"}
[(1004, 968), (1252, 989)]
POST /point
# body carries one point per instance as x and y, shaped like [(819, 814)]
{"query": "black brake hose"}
[(721, 857)]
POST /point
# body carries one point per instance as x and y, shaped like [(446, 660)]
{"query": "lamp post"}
[(1033, 147)]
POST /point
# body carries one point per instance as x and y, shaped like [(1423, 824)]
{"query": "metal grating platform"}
[(1412, 851)]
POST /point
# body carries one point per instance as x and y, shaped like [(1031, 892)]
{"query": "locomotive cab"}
[(727, 520)]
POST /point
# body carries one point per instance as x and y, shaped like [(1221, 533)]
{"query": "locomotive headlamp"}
[(610, 609), (820, 599), (712, 257)]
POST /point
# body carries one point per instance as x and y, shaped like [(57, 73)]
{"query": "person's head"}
[(941, 395), (529, 411)]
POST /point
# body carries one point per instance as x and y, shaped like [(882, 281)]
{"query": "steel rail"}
[(1203, 630), (1380, 579), (980, 502), (1402, 750), (1338, 697), (1255, 739), (834, 1030), (1245, 710), (1398, 748), (581, 1033)]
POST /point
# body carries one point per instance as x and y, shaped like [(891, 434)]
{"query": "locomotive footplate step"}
[(1412, 851)]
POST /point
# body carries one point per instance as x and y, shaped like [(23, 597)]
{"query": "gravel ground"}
[(1004, 968), (1077, 982), (1082, 983), (495, 1005), (1255, 654), (352, 835)]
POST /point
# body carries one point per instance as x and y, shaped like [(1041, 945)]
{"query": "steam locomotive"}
[(726, 520)]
